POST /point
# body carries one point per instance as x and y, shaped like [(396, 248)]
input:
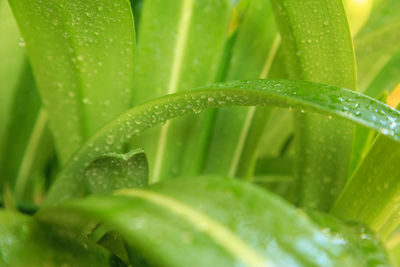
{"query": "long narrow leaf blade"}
[(377, 204), (308, 96), (320, 49), (238, 129), (75, 48), (183, 53)]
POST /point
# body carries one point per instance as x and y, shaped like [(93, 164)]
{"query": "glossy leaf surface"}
[(377, 205), (238, 130), (205, 221), (114, 171), (307, 96), (81, 53), (183, 52), (319, 48)]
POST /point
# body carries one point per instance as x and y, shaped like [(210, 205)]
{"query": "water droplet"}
[(21, 42)]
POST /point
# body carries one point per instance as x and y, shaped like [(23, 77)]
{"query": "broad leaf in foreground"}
[(302, 95), (211, 221)]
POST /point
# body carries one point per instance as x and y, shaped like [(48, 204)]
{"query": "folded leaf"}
[(81, 53), (114, 171), (210, 221), (301, 95)]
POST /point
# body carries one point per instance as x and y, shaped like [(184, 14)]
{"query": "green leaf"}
[(182, 53), (25, 242), (383, 12), (236, 131), (81, 53), (114, 171), (374, 50), (307, 96), (279, 130), (358, 13), (104, 172), (320, 49), (377, 204), (210, 221), (382, 84), (393, 245), (377, 41), (386, 79), (12, 64), (377, 63), (26, 155)]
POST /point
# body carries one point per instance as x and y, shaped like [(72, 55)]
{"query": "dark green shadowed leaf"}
[(12, 64), (28, 140), (211, 221), (106, 172), (27, 243), (307, 96), (81, 53), (114, 171), (180, 47), (317, 40)]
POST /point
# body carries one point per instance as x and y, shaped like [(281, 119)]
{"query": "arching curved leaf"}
[(301, 95)]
